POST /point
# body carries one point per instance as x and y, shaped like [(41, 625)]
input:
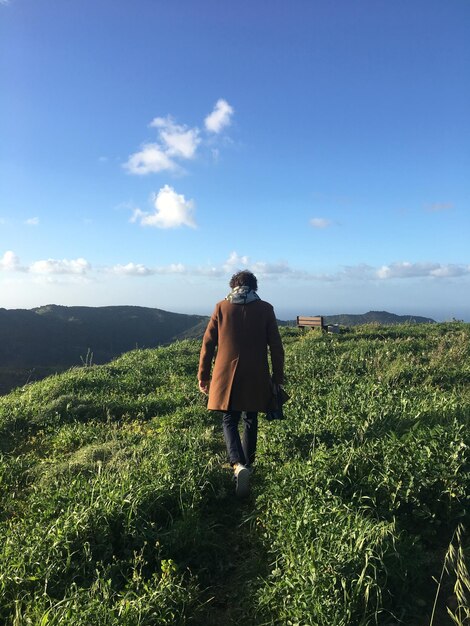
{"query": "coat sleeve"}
[(209, 345), (276, 349)]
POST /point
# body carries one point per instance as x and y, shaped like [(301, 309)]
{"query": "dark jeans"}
[(240, 451)]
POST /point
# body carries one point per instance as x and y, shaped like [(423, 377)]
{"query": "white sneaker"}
[(242, 480)]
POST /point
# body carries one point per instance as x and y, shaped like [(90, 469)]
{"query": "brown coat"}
[(241, 334)]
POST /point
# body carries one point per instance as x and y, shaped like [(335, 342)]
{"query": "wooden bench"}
[(304, 321)]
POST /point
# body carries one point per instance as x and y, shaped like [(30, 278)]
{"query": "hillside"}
[(116, 507), (376, 317), (37, 342)]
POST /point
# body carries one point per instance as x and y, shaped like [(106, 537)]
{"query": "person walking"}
[(238, 335)]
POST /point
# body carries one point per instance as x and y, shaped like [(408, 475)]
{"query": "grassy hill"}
[(37, 342), (116, 507)]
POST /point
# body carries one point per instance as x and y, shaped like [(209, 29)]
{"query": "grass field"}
[(117, 506)]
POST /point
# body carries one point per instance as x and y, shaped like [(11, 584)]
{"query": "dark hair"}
[(244, 278)]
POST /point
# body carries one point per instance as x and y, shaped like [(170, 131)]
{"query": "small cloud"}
[(399, 270), (32, 221), (405, 269), (320, 222), (132, 269), (437, 207), (220, 117), (103, 159), (137, 269), (235, 262), (173, 268), (260, 267), (178, 140), (150, 160), (450, 271), (175, 142), (172, 210), (9, 262), (55, 266)]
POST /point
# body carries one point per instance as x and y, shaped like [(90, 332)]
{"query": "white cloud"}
[(179, 141), (173, 268), (132, 269), (171, 211), (80, 270), (320, 222), (220, 117), (32, 221), (64, 266), (405, 269), (150, 160), (235, 262), (137, 269), (260, 267), (137, 214), (10, 262), (361, 272), (175, 142), (450, 271)]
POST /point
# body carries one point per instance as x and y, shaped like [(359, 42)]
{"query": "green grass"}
[(116, 506)]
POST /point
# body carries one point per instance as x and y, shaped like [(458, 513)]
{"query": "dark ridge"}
[(378, 317), (38, 342)]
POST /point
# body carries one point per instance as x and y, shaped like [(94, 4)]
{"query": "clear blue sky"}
[(149, 149)]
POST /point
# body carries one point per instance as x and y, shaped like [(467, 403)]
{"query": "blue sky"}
[(150, 149)]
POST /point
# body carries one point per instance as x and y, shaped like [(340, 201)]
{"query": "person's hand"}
[(204, 386)]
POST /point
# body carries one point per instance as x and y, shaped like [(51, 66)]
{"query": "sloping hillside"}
[(116, 507), (37, 342)]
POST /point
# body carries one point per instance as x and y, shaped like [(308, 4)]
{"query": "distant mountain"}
[(37, 342), (378, 317)]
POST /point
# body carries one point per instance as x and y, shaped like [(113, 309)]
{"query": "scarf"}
[(242, 295)]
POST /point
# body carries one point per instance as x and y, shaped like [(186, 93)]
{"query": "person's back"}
[(241, 379), (239, 333)]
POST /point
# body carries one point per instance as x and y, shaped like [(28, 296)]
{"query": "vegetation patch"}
[(117, 506)]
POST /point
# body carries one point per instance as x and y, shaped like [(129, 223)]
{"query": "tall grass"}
[(116, 506)]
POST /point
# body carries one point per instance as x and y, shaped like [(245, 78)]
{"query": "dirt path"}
[(231, 578)]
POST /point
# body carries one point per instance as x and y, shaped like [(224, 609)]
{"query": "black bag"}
[(277, 402)]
